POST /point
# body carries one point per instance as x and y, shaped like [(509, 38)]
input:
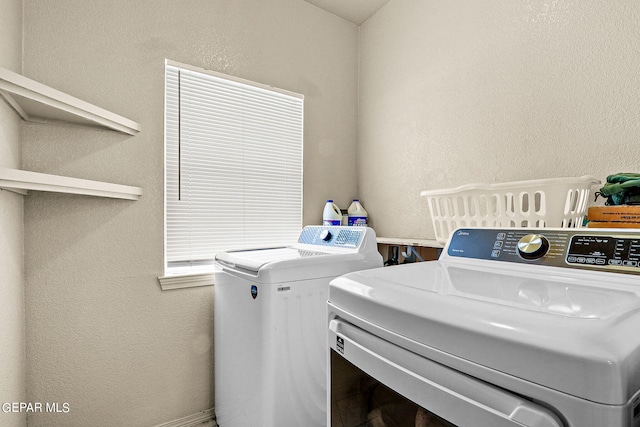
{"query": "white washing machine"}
[(270, 326), (510, 327)]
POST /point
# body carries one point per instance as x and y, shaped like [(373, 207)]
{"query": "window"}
[(233, 166)]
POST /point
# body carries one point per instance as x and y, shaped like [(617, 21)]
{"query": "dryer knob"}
[(326, 235), (533, 246)]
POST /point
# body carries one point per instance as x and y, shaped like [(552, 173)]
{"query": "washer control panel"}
[(336, 236), (607, 250)]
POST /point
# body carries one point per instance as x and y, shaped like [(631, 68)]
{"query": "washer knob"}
[(533, 246), (326, 235)]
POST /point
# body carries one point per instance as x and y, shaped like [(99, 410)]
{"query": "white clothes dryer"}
[(510, 327), (270, 326)]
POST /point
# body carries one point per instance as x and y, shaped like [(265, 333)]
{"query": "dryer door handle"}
[(450, 394)]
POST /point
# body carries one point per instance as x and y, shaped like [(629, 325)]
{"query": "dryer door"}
[(442, 396)]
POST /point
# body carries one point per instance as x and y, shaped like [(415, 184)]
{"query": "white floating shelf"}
[(36, 102), (21, 181)]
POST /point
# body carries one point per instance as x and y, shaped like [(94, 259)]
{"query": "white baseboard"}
[(194, 420)]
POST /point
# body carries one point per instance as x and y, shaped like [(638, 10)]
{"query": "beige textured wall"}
[(12, 319), (460, 91), (101, 335)]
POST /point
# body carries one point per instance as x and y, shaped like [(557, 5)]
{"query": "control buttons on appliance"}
[(533, 246), (326, 235)]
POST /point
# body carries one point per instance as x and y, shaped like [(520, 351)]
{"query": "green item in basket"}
[(621, 189)]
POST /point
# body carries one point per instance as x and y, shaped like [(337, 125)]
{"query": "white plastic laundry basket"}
[(554, 202)]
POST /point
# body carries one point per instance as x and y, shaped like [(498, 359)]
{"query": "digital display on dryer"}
[(604, 250), (591, 250)]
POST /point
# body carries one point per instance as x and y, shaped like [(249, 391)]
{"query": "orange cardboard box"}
[(612, 224), (623, 213)]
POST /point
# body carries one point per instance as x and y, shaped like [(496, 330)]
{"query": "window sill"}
[(182, 279)]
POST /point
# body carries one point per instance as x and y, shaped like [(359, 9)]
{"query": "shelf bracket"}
[(13, 104), (15, 190)]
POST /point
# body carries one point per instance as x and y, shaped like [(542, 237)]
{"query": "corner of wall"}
[(12, 308)]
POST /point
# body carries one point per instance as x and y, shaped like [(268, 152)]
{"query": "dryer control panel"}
[(612, 250)]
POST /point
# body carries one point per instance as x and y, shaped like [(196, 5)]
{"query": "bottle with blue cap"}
[(331, 214), (357, 215)]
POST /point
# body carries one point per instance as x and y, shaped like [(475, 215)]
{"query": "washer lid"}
[(254, 260), (575, 333)]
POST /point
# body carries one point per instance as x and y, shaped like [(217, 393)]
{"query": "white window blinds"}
[(233, 165)]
